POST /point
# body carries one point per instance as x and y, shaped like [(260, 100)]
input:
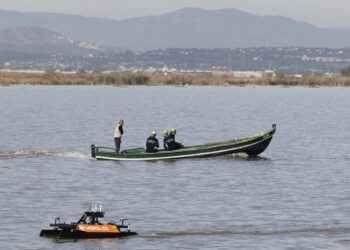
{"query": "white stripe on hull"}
[(179, 156)]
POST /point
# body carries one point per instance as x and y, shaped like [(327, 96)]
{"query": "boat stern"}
[(49, 233), (93, 151)]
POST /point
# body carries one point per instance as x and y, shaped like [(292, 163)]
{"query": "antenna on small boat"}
[(92, 207), (95, 207)]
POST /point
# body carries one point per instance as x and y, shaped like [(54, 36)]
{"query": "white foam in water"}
[(23, 154), (240, 155), (42, 153), (74, 155)]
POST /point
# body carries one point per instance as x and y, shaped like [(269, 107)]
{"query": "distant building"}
[(248, 74), (269, 73), (220, 71), (297, 76)]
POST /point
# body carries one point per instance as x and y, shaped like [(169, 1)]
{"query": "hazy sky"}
[(324, 13)]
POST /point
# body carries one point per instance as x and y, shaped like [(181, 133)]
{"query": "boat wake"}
[(245, 157), (42, 153), (243, 232)]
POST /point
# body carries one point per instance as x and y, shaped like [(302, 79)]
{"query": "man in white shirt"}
[(118, 133)]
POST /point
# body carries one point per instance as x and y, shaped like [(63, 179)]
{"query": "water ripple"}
[(315, 230)]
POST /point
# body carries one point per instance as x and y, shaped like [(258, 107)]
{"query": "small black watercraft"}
[(88, 226)]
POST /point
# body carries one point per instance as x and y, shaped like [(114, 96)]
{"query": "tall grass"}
[(127, 78)]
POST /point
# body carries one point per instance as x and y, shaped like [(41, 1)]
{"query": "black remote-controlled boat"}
[(88, 226)]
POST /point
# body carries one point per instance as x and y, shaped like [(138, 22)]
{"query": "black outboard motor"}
[(93, 152)]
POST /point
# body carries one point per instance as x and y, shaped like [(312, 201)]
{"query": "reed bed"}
[(130, 79)]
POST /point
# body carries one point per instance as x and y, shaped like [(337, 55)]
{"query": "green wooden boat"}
[(251, 145)]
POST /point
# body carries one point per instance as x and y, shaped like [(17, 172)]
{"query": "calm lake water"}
[(295, 196)]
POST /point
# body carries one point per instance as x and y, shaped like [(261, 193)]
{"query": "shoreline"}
[(177, 86), (125, 79)]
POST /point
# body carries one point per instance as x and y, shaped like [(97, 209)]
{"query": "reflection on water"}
[(246, 232), (345, 242)]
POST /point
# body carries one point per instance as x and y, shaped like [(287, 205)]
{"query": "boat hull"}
[(253, 146), (68, 234)]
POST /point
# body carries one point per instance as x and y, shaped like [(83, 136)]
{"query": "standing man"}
[(118, 132)]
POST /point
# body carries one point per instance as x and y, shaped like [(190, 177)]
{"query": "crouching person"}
[(170, 142), (152, 143)]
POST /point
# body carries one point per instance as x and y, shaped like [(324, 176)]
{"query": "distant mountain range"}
[(186, 28), (41, 40)]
